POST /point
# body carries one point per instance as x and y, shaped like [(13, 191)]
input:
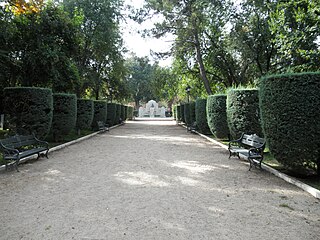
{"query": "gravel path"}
[(151, 180)]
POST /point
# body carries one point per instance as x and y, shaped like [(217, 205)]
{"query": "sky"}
[(135, 43)]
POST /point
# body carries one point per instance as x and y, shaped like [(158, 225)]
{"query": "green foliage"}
[(201, 116), (182, 105), (178, 113), (295, 25), (290, 118), (118, 114), (123, 113), (100, 113), (189, 113), (243, 112), (130, 112), (111, 113), (64, 114), (217, 115), (174, 112), (29, 110), (84, 114)]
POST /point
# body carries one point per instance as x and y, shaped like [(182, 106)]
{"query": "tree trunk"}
[(203, 73)]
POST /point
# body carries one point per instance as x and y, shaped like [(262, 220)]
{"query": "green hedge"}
[(178, 113), (290, 111), (125, 113), (64, 114), (217, 115), (100, 113), (111, 113), (130, 113), (84, 113), (29, 110), (174, 112), (182, 112), (243, 112), (201, 116), (118, 115), (189, 113)]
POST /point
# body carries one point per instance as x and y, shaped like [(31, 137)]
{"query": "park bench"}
[(250, 147), (192, 128), (18, 147), (102, 126)]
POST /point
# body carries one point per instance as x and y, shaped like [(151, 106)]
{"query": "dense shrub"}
[(29, 110), (291, 118), (182, 112), (84, 113), (111, 113), (100, 113), (123, 113), (174, 112), (118, 114), (243, 112), (217, 115), (178, 113), (64, 114), (189, 113), (201, 116), (130, 112), (1, 101)]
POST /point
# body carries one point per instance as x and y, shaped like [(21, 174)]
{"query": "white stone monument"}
[(152, 110)]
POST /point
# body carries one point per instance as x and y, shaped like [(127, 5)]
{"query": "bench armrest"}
[(255, 151), (8, 151), (44, 143)]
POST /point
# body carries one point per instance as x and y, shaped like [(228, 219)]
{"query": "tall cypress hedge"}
[(243, 112), (201, 116), (118, 114), (174, 112), (290, 111), (123, 112), (178, 113), (130, 112), (100, 113), (217, 115), (84, 113), (189, 113), (111, 114), (29, 110), (64, 114), (182, 112)]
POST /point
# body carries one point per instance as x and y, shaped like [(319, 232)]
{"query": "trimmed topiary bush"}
[(178, 113), (201, 116), (130, 113), (64, 114), (291, 119), (217, 115), (123, 113), (118, 114), (243, 112), (190, 113), (111, 114), (29, 110), (84, 114), (182, 112), (174, 112), (100, 113)]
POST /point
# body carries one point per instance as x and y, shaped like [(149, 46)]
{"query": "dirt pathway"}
[(151, 180)]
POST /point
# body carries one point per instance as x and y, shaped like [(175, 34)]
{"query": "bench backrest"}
[(18, 141), (253, 141)]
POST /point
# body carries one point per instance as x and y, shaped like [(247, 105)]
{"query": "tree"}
[(101, 46), (296, 29), (140, 73)]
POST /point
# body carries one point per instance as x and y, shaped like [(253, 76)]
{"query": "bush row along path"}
[(151, 180)]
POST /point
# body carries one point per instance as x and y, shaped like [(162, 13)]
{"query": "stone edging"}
[(56, 148), (311, 190)]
